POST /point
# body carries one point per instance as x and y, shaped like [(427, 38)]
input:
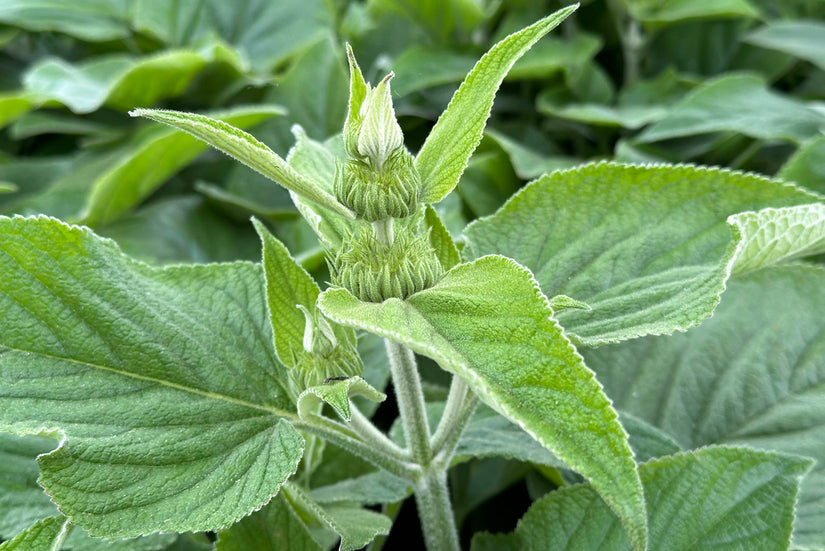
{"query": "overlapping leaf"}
[(179, 359), (487, 322), (718, 498), (752, 374), (647, 248)]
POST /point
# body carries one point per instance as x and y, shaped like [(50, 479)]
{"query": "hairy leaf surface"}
[(163, 381), (488, 323), (752, 374), (718, 498), (648, 248)]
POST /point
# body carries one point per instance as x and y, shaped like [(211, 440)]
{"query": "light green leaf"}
[(673, 11), (287, 286), (378, 487), (8, 187), (140, 168), (624, 116), (527, 162), (445, 153), (263, 33), (168, 374), (14, 105), (277, 527), (44, 535), (42, 122), (485, 321), (802, 39), (488, 182), (440, 18), (93, 20), (316, 162), (739, 103), (121, 82), (357, 527), (807, 166), (246, 149), (182, 229), (419, 67), (337, 394), (647, 247), (22, 501), (563, 302), (647, 441), (441, 240), (719, 498), (752, 374), (774, 235)]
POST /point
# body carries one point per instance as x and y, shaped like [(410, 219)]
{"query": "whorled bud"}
[(371, 132), (374, 272), (322, 356), (311, 370), (375, 194)]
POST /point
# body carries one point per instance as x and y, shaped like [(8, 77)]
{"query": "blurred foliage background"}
[(734, 83)]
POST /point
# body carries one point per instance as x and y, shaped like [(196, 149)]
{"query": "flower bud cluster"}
[(374, 271)]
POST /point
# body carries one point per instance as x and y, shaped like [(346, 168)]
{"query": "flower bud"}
[(390, 192), (374, 272), (379, 134), (322, 356)]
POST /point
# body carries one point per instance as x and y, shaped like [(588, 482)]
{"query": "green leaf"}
[(485, 321), (45, 534), (488, 182), (14, 105), (807, 166), (140, 168), (22, 501), (773, 235), (167, 374), (563, 302), (647, 441), (246, 149), (265, 34), (445, 153), (737, 103), (378, 487), (357, 527), (440, 18), (647, 247), (287, 286), (752, 374), (420, 67), (316, 161), (121, 82), (719, 498), (672, 11), (802, 39), (528, 163), (182, 229), (93, 20), (337, 394), (276, 526), (441, 240)]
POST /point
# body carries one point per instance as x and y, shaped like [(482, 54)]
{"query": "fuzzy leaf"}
[(806, 167), (773, 235), (337, 394), (357, 527), (441, 240), (718, 498), (485, 321), (369, 489), (752, 374), (134, 172), (647, 247), (455, 136), (276, 526), (739, 103), (22, 501), (246, 149), (47, 534), (158, 378)]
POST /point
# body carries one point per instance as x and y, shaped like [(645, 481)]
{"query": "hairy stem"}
[(370, 433), (410, 400), (347, 439), (383, 230), (436, 511), (455, 401)]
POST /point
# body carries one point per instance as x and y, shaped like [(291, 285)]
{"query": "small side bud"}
[(374, 272), (393, 191)]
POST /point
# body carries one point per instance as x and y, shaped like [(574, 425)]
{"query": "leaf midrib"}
[(161, 382)]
